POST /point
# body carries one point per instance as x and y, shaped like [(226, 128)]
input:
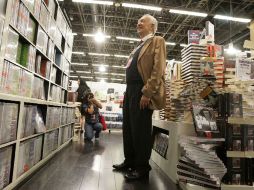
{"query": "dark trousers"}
[(137, 129)]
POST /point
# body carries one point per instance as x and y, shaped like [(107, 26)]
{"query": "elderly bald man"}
[(145, 92)]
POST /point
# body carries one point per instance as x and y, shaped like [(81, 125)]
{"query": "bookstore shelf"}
[(22, 35), (40, 126), (8, 144), (188, 186), (236, 154), (238, 120), (30, 137), (35, 18), (26, 69), (52, 129), (42, 53), (240, 154), (35, 167), (16, 98), (236, 187), (175, 129)]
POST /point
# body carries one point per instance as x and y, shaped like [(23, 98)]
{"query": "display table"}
[(175, 129)]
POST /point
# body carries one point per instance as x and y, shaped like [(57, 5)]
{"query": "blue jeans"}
[(90, 127)]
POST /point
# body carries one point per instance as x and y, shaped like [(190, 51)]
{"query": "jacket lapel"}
[(147, 43)]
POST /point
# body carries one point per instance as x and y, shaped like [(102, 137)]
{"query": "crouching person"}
[(90, 109)]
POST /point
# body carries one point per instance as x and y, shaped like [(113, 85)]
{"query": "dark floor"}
[(89, 167)]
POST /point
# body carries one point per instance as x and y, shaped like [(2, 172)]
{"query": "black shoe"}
[(122, 167), (137, 175), (97, 135)]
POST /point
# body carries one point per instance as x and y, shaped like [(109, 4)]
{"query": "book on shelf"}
[(193, 36), (15, 12), (31, 31), (38, 63), (50, 142), (42, 40), (30, 154), (204, 118), (1, 28), (23, 19), (11, 49), (44, 15), (53, 74), (233, 104), (244, 69), (45, 68), (9, 122), (5, 166), (37, 8)]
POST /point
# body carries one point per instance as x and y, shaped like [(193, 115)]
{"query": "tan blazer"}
[(151, 66)]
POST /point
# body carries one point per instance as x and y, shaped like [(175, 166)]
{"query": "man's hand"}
[(144, 102)]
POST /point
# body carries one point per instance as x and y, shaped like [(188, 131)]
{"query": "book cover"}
[(204, 118), (193, 36)]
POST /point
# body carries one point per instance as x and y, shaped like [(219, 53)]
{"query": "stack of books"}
[(199, 163), (191, 56)]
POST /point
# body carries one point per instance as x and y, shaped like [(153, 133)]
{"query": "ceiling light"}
[(100, 73), (138, 6), (102, 68), (99, 54), (117, 74), (116, 79), (99, 37), (103, 81), (191, 13), (245, 20), (231, 50), (170, 43), (116, 66), (98, 65), (88, 72), (81, 64), (74, 34), (93, 35), (78, 52), (85, 77), (183, 45), (126, 38), (94, 2), (121, 56), (103, 78)]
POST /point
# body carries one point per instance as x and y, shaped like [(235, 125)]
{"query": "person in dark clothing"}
[(82, 90), (145, 92), (83, 87), (90, 108)]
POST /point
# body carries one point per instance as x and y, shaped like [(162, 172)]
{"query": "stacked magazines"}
[(199, 163)]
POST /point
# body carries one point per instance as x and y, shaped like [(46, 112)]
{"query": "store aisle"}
[(89, 167)]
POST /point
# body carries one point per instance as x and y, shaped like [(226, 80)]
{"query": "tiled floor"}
[(89, 167)]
